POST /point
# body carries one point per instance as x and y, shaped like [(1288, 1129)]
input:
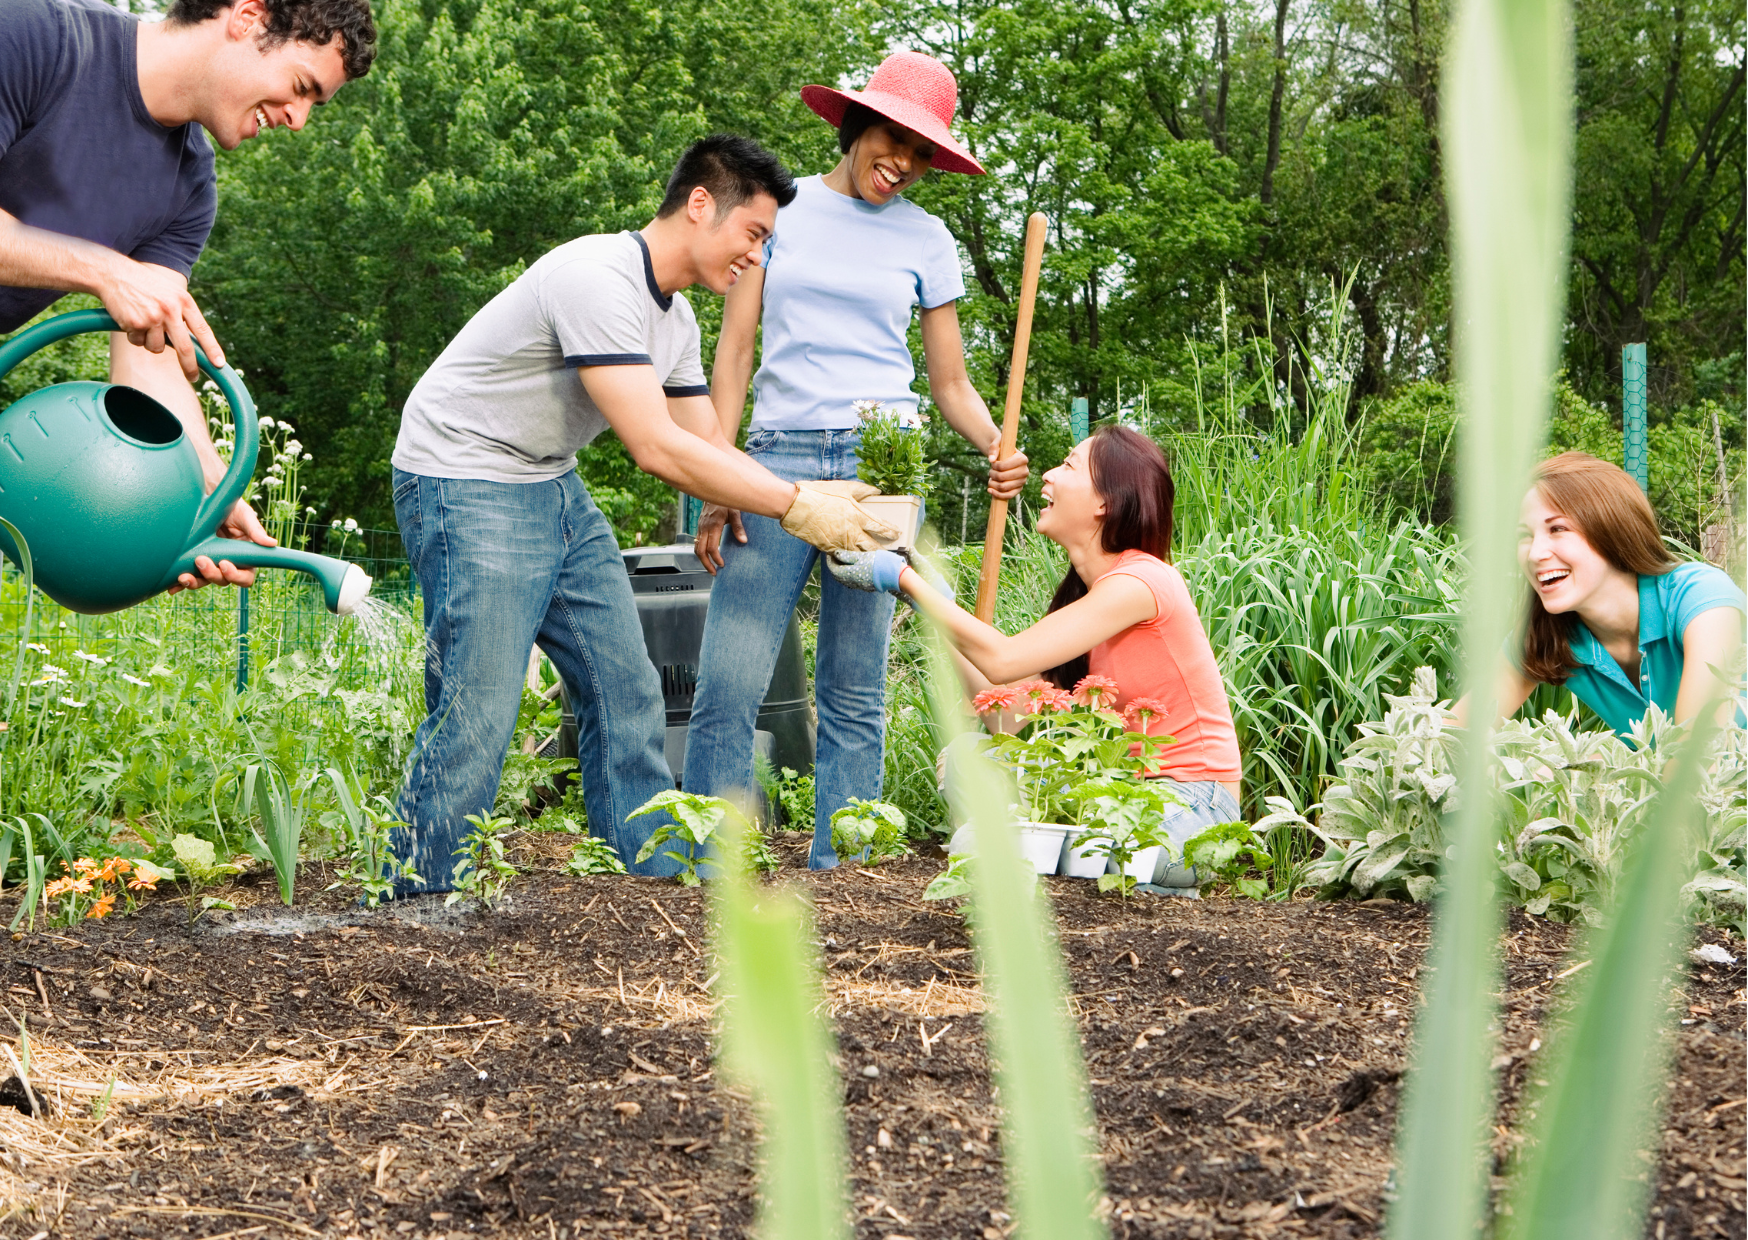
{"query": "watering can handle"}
[(248, 441)]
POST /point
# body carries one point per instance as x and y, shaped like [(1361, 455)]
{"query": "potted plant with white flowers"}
[(890, 458)]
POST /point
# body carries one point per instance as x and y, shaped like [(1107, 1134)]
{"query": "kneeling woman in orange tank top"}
[(1122, 612)]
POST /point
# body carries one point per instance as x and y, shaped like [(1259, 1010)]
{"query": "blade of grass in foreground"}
[(1581, 1178), (774, 1042), (1508, 132), (1053, 1180)]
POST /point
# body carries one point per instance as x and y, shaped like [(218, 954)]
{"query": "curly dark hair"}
[(302, 21)]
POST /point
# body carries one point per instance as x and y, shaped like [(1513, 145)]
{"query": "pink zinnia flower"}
[(1000, 698), (1143, 711), (1095, 691)]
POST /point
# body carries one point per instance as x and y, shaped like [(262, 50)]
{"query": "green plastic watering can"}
[(108, 492)]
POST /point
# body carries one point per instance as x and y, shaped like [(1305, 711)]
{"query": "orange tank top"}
[(1168, 659)]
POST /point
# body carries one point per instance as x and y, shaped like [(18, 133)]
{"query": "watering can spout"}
[(343, 585)]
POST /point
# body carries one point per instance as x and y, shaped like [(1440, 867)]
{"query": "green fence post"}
[(242, 638), (1079, 420), (1637, 453), (691, 512)]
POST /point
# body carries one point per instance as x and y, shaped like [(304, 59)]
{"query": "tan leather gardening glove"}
[(826, 515), (849, 488)]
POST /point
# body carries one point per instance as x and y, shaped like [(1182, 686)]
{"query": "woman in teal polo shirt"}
[(1612, 616)]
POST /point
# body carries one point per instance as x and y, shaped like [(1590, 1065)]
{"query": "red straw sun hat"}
[(915, 90)]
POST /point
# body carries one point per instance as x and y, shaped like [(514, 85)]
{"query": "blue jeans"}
[(755, 592), (502, 567)]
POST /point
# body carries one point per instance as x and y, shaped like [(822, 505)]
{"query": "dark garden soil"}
[(546, 1070)]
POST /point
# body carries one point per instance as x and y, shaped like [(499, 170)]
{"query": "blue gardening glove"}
[(875, 571), (926, 571)]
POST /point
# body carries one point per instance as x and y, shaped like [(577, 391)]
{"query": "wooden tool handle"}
[(1010, 420)]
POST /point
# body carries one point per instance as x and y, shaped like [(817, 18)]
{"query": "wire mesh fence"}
[(229, 632)]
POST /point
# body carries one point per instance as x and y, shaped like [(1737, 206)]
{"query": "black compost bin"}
[(673, 595)]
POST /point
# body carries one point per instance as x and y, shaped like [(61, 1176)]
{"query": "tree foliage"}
[(1210, 172)]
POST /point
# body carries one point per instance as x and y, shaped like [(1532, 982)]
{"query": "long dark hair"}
[(1616, 519), (1130, 474)]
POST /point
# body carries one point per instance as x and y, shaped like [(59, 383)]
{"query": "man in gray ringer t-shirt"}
[(508, 547)]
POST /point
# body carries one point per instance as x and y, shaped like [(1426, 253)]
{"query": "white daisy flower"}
[(135, 680)]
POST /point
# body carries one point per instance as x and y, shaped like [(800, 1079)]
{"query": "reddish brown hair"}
[(1130, 474), (1616, 519)]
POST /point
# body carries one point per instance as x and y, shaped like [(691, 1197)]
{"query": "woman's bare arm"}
[(960, 402), (1712, 639), (1511, 689), (1114, 603), (729, 377)]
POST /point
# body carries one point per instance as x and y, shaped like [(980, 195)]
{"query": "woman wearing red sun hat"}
[(850, 261)]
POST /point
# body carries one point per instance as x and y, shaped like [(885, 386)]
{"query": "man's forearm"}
[(37, 258), (718, 476)]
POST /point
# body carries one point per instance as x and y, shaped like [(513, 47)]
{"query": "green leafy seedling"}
[(594, 856), (696, 819), (1120, 817), (952, 883), (484, 871), (1226, 852), (870, 830), (199, 860)]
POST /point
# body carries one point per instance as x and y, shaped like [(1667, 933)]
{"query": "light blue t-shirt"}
[(841, 281), (1668, 603)]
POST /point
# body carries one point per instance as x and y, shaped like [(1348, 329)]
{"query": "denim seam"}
[(585, 656)]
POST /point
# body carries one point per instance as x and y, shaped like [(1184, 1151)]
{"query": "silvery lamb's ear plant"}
[(1383, 829), (1569, 803)]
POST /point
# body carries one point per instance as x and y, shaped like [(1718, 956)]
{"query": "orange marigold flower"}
[(56, 889), (113, 869), (102, 906), (994, 699), (1096, 691), (84, 865), (143, 882)]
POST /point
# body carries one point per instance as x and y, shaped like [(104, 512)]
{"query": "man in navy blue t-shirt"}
[(106, 178)]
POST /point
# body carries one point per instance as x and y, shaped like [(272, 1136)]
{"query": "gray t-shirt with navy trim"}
[(503, 402)]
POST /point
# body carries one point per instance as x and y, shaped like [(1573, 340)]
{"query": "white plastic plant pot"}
[(1040, 844), (1145, 864), (1073, 865), (903, 513)]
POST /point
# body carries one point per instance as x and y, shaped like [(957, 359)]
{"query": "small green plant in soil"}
[(282, 806), (1120, 818), (756, 853), (484, 871), (1226, 853), (363, 827), (872, 831), (890, 456), (695, 820), (199, 861), (594, 856), (954, 882), (788, 791)]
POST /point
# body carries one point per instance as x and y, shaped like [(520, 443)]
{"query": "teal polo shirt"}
[(1667, 605)]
